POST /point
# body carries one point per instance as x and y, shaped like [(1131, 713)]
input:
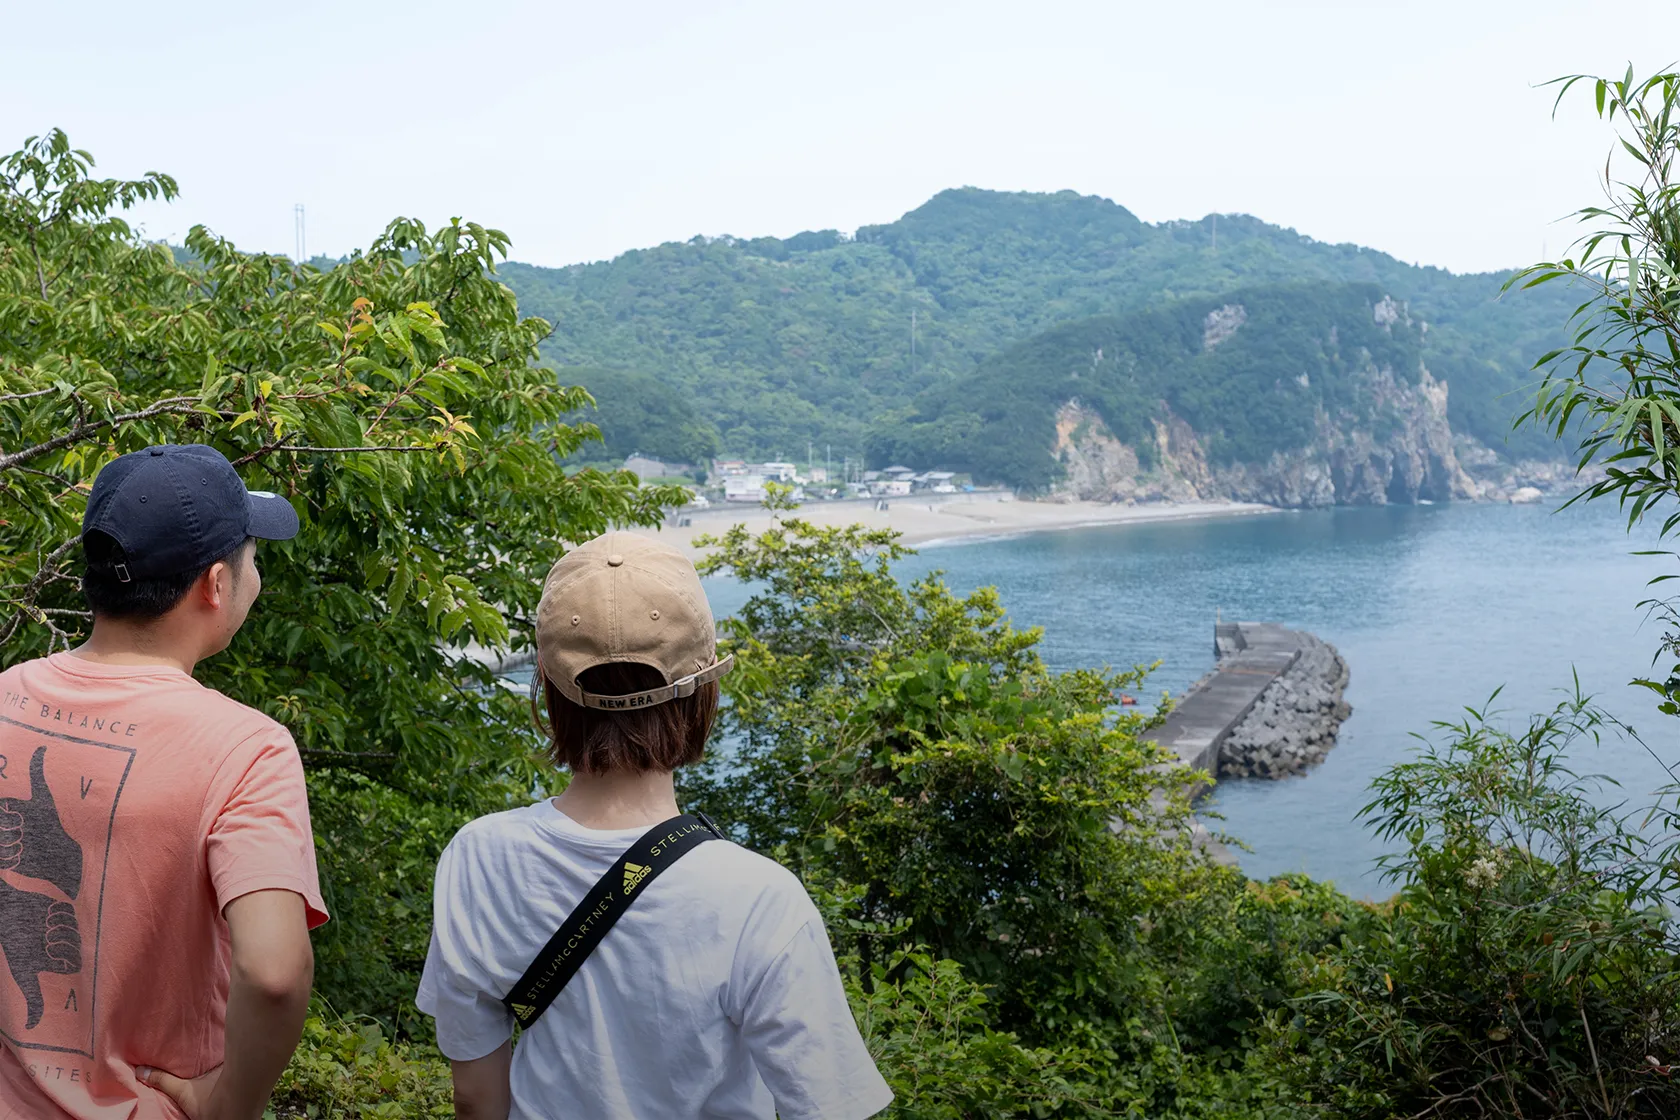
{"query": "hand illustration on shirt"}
[(37, 934), (32, 838)]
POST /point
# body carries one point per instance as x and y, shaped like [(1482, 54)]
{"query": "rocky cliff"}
[(1383, 439), (1297, 395)]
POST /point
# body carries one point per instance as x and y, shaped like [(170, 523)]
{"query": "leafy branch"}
[(85, 429), (1616, 388)]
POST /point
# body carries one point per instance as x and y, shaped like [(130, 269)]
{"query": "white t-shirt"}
[(715, 997)]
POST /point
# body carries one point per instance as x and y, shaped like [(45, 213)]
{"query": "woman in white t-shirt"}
[(715, 994)]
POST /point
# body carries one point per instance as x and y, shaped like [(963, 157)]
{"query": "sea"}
[(1436, 608)]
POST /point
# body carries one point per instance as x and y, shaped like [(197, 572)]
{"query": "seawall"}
[(1290, 681)]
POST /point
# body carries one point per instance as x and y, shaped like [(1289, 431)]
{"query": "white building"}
[(743, 488)]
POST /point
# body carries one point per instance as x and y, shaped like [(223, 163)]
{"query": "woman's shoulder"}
[(760, 890), (728, 861), (493, 832)]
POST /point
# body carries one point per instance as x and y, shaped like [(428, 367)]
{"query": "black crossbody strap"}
[(657, 848)]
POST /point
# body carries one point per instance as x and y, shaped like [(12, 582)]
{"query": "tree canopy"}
[(395, 399)]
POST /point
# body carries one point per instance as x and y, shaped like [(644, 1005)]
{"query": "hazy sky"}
[(587, 129)]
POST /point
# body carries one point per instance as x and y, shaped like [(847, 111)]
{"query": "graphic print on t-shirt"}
[(57, 808)]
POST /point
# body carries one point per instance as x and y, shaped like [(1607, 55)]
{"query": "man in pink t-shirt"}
[(157, 868)]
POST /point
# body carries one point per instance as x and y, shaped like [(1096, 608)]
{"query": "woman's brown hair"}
[(662, 737)]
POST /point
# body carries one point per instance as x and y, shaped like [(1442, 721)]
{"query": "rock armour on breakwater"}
[(1293, 724)]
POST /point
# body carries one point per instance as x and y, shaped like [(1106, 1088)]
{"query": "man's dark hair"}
[(110, 596), (662, 737)]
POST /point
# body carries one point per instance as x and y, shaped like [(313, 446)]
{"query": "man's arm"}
[(482, 1091), (273, 968)]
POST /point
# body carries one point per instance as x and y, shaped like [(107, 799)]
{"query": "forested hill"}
[(1295, 394), (780, 341)]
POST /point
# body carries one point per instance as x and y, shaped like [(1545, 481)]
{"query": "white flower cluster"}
[(1486, 870)]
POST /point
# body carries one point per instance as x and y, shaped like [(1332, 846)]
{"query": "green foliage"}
[(929, 1036), (636, 413), (1621, 374), (378, 846), (394, 400), (345, 1070), (1615, 390), (1527, 965), (809, 338), (1300, 349)]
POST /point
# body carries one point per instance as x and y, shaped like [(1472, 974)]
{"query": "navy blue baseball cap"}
[(180, 508)]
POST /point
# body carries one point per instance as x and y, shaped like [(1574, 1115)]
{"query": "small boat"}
[(1127, 700)]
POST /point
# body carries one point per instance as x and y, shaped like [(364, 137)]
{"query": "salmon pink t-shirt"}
[(135, 804)]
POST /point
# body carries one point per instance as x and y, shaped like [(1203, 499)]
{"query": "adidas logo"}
[(634, 873), (522, 1010)]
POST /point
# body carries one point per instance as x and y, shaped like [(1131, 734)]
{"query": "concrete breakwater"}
[(1293, 724), (1270, 707)]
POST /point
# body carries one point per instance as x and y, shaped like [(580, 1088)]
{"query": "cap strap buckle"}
[(122, 574), (676, 690)]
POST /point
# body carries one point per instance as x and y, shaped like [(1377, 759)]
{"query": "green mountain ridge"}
[(784, 341)]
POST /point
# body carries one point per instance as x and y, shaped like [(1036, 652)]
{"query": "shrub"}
[(1526, 966), (349, 1070)]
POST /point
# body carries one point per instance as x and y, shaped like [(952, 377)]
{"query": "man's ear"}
[(213, 586)]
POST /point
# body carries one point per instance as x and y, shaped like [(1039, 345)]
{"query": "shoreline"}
[(964, 520)]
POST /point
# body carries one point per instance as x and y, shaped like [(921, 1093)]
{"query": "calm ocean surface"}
[(1434, 607)]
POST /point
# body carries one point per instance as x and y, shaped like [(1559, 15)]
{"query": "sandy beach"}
[(925, 521)]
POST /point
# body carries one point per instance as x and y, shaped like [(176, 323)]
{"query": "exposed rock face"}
[(1222, 323), (1387, 312), (1094, 461), (1294, 723), (1099, 467), (1500, 480), (1400, 449)]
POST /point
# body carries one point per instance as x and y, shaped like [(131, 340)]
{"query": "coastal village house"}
[(745, 482)]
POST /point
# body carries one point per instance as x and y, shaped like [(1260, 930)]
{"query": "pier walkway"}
[(1251, 656)]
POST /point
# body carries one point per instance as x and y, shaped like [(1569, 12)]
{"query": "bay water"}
[(1433, 607)]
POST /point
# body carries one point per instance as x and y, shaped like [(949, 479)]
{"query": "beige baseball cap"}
[(625, 597)]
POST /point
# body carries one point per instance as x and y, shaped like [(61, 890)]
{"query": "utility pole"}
[(912, 342), (297, 228)]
